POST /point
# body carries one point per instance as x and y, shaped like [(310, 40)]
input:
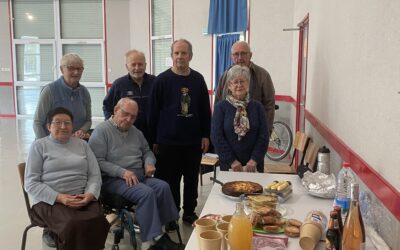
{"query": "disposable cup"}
[(227, 218), (310, 234), (223, 229), (210, 240), (204, 224)]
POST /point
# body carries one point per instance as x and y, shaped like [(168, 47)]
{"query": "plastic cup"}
[(310, 234), (223, 229), (204, 224), (210, 240)]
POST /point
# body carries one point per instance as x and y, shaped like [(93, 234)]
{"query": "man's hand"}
[(236, 166), (130, 178), (149, 170), (205, 143), (251, 166), (75, 201)]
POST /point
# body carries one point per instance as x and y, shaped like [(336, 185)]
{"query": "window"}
[(161, 35), (43, 31)]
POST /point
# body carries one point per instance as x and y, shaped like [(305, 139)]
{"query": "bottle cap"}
[(346, 164), (324, 150)]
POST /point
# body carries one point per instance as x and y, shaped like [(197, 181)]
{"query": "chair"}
[(113, 203), (309, 159), (21, 171), (206, 163), (300, 145)]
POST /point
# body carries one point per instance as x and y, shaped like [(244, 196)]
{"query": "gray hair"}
[(185, 41), (236, 71), (124, 101), (71, 58), (242, 43), (134, 51)]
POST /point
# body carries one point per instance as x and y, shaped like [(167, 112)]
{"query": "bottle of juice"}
[(240, 233)]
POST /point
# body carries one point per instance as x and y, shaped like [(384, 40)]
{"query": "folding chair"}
[(21, 171), (300, 145), (206, 163), (309, 159)]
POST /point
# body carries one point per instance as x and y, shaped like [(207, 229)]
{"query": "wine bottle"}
[(353, 229), (333, 240)]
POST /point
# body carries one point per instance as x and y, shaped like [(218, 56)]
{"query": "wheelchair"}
[(124, 209)]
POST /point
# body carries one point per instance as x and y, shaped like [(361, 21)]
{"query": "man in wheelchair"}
[(122, 151)]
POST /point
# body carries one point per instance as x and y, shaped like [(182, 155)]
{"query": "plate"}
[(259, 230), (322, 195), (234, 198)]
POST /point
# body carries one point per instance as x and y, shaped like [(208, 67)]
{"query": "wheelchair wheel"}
[(280, 141), (128, 223)]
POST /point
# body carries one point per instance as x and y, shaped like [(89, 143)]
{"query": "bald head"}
[(241, 53)]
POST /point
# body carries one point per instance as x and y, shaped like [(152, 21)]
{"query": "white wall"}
[(353, 76), (272, 47)]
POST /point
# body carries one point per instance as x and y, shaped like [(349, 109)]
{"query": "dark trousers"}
[(173, 162)]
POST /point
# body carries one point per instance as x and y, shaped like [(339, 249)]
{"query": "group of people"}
[(154, 133)]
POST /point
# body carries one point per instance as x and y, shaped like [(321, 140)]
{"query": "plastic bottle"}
[(344, 180), (240, 234)]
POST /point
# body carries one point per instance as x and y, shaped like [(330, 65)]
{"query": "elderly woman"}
[(66, 92), (239, 131), (63, 178)]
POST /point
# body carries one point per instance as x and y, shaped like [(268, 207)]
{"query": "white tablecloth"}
[(297, 206)]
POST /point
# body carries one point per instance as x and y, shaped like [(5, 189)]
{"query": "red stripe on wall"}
[(6, 84), (7, 115), (285, 98)]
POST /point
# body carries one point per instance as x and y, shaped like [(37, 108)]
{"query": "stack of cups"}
[(211, 235), (312, 229)]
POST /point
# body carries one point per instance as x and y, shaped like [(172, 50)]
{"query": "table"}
[(296, 207)]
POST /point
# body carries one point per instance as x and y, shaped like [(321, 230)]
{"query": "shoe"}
[(48, 238), (165, 243), (190, 218), (171, 226)]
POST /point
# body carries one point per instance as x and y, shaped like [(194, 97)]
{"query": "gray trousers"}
[(155, 205)]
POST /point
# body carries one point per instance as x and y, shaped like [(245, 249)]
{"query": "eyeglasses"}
[(60, 123), (241, 54), (73, 68), (238, 82)]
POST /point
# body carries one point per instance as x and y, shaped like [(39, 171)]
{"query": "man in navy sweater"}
[(137, 85), (180, 118)]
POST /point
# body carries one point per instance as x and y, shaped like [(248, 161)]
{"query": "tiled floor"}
[(16, 135)]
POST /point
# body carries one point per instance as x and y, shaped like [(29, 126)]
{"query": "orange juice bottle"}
[(240, 233)]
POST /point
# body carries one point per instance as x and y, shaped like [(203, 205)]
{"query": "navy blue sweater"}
[(125, 86), (252, 146), (172, 95)]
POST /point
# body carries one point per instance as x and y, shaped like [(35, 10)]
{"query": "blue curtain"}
[(223, 57), (227, 16)]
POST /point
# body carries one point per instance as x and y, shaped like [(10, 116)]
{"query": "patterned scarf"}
[(241, 123)]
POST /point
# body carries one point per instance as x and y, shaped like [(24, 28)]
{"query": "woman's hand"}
[(75, 201), (236, 166), (81, 134), (251, 166)]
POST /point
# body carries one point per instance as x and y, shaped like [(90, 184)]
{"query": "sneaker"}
[(190, 218), (165, 243), (48, 238), (172, 226)]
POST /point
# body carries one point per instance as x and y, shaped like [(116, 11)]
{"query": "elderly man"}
[(68, 93), (261, 86), (137, 85), (180, 118), (128, 167)]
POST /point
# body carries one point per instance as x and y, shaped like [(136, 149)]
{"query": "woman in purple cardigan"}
[(239, 131)]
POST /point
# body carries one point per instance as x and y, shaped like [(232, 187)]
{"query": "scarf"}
[(241, 123)]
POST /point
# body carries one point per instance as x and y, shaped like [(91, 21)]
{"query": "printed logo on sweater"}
[(185, 103)]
